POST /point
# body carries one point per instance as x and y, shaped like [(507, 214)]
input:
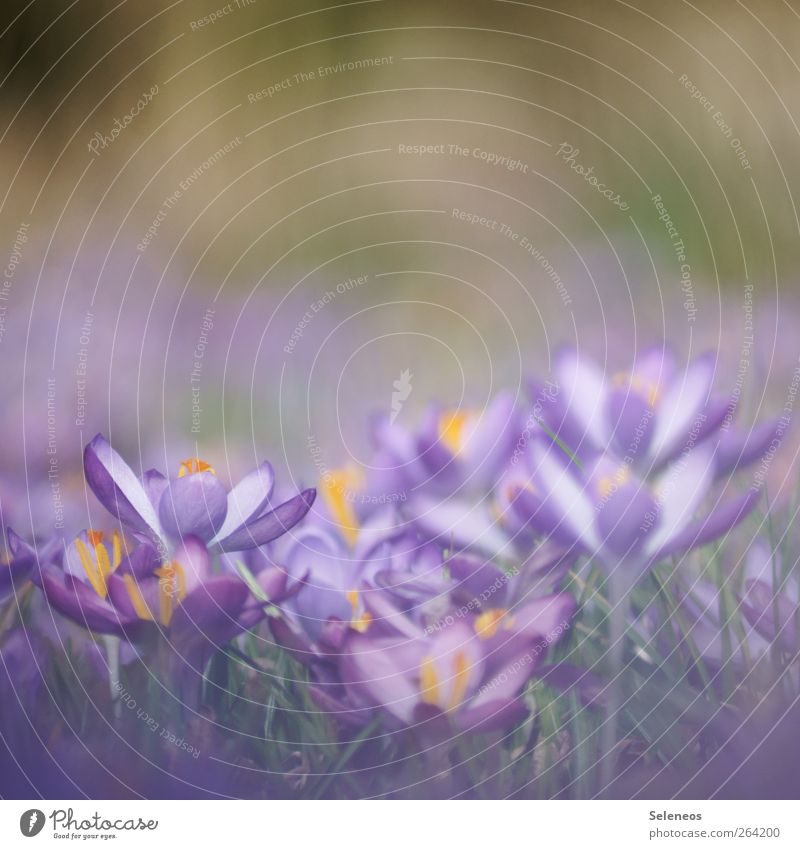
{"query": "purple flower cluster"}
[(431, 603)]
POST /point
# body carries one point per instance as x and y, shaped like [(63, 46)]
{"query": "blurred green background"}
[(250, 157)]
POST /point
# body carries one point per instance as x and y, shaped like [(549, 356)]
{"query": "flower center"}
[(193, 466), (609, 484), (171, 592), (95, 559), (649, 390), (432, 691), (360, 620), (487, 624), (451, 430)]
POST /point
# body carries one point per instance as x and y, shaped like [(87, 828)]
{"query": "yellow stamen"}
[(171, 588), (96, 562), (103, 563), (650, 391), (93, 572), (137, 599), (358, 622), (361, 623), (193, 466), (335, 487), (429, 682), (117, 543), (451, 430), (611, 483), (486, 624), (461, 680)]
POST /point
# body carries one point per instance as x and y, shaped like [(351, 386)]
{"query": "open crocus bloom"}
[(602, 508), (195, 503), (470, 673), (104, 588), (447, 470), (329, 569), (79, 588), (647, 415), (453, 450)]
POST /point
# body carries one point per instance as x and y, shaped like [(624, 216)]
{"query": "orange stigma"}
[(193, 466)]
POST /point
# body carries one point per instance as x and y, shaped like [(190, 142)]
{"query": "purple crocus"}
[(77, 583), (646, 415), (193, 504), (466, 676), (447, 470), (602, 508), (329, 569), (771, 604), (137, 596), (452, 450)]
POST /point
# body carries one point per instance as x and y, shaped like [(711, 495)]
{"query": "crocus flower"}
[(648, 415), (604, 509), (78, 585), (467, 676), (452, 449), (770, 604), (137, 596), (195, 503), (447, 470), (329, 569)]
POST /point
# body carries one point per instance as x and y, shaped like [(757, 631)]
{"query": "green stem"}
[(618, 597)]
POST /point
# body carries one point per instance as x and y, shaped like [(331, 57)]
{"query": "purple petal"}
[(717, 523), (489, 443), (247, 499), (384, 671), (562, 495), (210, 613), (584, 392), (738, 449), (564, 676), (194, 505), (81, 604), (154, 484), (681, 489), (622, 519), (270, 526), (193, 557), (118, 489), (459, 524), (140, 563), (681, 406), (772, 614)]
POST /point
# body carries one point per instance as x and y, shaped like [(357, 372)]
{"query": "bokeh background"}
[(219, 236)]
